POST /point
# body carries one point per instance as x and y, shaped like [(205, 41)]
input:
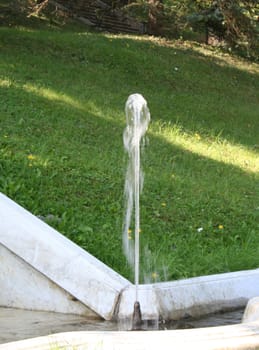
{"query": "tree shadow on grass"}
[(181, 86)]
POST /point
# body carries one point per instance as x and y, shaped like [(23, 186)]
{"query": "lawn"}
[(62, 117)]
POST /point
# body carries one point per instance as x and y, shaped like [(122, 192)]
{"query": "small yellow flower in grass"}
[(198, 137), (221, 227), (31, 157), (154, 275), (163, 204)]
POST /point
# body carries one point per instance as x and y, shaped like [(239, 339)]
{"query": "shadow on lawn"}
[(198, 92)]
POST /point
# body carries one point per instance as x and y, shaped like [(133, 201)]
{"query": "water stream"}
[(137, 120)]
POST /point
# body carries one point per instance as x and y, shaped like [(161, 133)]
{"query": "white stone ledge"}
[(63, 262), (237, 337), (23, 287), (251, 313), (193, 297)]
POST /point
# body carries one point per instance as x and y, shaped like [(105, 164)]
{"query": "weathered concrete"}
[(26, 288), (194, 296), (80, 274), (252, 311)]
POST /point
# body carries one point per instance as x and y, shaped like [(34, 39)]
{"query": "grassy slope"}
[(62, 117)]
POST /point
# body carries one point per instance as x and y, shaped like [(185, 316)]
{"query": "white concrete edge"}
[(193, 297), (63, 262), (206, 294), (236, 337), (23, 287), (251, 313)]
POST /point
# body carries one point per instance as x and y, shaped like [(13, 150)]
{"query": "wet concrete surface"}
[(16, 324)]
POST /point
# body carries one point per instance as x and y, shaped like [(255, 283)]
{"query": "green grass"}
[(62, 117)]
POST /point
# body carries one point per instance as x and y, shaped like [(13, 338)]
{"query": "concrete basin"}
[(42, 270)]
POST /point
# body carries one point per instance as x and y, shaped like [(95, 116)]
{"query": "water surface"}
[(16, 324)]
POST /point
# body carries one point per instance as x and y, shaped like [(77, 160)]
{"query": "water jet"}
[(137, 120)]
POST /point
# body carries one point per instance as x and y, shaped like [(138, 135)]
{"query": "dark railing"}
[(102, 14)]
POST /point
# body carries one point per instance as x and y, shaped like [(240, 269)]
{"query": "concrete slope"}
[(77, 272), (23, 287)]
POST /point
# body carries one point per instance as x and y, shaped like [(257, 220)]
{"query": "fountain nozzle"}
[(136, 319)]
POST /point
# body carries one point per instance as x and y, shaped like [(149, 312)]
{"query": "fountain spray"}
[(137, 120)]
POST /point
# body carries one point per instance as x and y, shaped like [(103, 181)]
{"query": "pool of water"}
[(213, 320), (18, 324)]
